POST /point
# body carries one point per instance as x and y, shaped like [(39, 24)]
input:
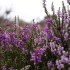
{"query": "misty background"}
[(28, 10)]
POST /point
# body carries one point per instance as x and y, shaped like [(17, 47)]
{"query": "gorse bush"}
[(36, 47)]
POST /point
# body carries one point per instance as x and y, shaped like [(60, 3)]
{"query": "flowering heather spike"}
[(49, 20), (44, 5), (59, 14), (49, 33), (52, 7), (37, 55)]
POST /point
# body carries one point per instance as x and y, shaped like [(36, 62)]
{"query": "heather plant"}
[(36, 47)]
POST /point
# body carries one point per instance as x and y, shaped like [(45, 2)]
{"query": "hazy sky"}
[(28, 9)]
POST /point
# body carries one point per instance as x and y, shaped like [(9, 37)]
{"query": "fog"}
[(28, 9)]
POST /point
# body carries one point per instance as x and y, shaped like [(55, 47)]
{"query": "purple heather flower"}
[(44, 5), (59, 64), (66, 36), (63, 12), (25, 51), (37, 55), (63, 31), (20, 43), (5, 44), (26, 29), (35, 25), (2, 36), (49, 20), (13, 39), (47, 29), (6, 34), (49, 33), (59, 49), (57, 39), (59, 13), (12, 34), (67, 25), (35, 41), (66, 21), (45, 47), (39, 58), (52, 44), (65, 53), (68, 1), (64, 59), (40, 41), (49, 64), (33, 57), (65, 15), (25, 36), (3, 68)]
